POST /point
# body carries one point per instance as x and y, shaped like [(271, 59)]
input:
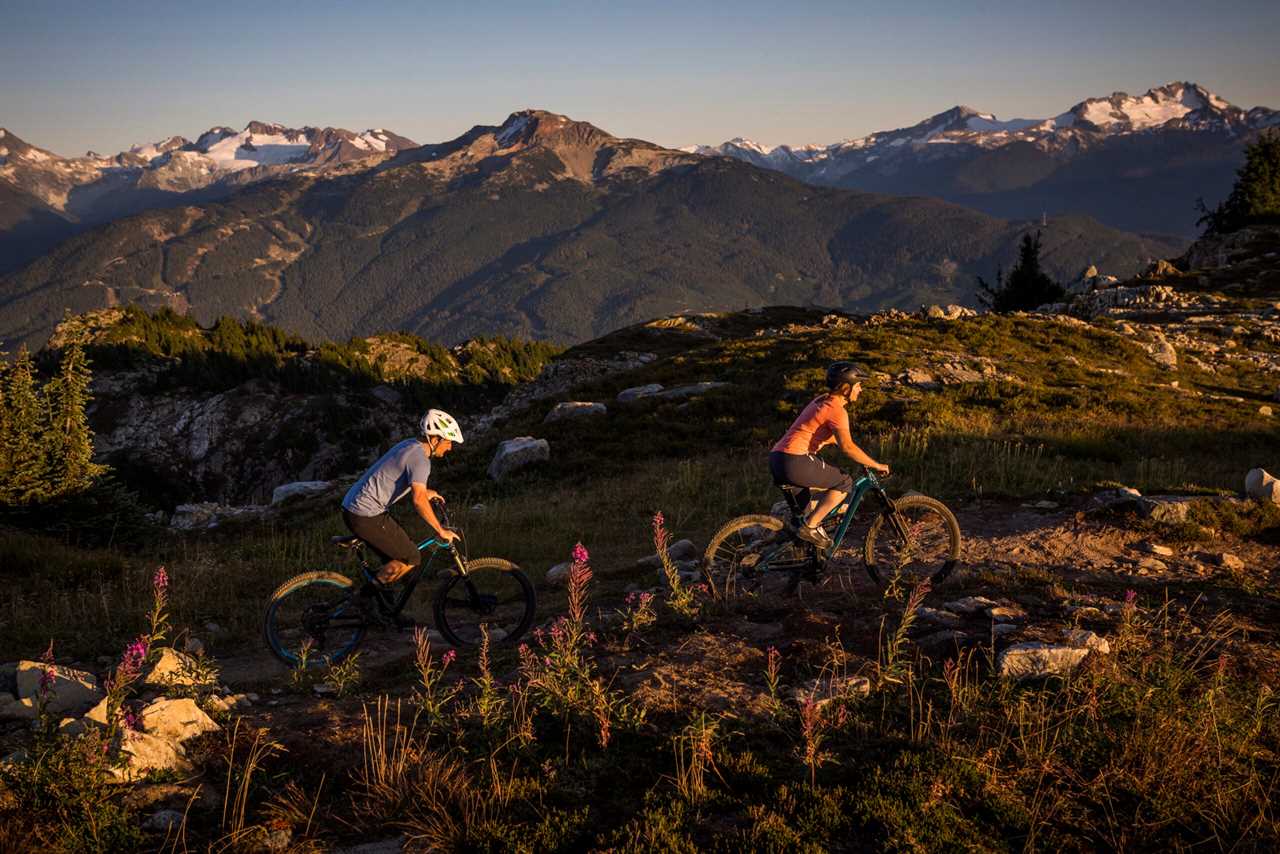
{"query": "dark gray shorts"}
[(806, 470), (385, 536)]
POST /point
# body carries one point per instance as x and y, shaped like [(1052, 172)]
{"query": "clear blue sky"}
[(104, 75)]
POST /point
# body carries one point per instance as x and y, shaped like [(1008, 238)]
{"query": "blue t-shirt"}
[(389, 479)]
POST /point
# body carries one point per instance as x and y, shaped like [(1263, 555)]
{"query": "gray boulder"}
[(558, 575), (70, 692), (1034, 660), (680, 550), (299, 487), (635, 393), (1259, 484), (574, 409), (681, 392), (517, 453)]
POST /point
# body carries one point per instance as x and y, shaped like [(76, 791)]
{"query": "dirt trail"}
[(1048, 561)]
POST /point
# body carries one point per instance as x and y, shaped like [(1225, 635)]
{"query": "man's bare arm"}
[(422, 497)]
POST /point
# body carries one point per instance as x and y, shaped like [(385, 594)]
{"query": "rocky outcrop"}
[(299, 488), (518, 453)]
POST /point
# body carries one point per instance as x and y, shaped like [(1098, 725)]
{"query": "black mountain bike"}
[(321, 617), (913, 538)]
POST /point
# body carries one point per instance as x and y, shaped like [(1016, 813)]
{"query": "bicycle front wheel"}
[(493, 597), (919, 540), (314, 618)]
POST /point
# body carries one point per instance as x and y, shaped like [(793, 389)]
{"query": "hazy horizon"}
[(103, 77)]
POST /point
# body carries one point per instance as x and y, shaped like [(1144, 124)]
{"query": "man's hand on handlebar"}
[(879, 468), (447, 536)]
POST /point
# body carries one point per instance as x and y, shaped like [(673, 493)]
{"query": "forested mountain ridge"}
[(541, 227)]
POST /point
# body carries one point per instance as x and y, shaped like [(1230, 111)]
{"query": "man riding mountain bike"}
[(825, 421), (400, 471)]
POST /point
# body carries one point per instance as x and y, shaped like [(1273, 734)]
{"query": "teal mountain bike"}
[(911, 539), (322, 617)]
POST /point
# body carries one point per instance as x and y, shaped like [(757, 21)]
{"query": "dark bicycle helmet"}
[(842, 372)]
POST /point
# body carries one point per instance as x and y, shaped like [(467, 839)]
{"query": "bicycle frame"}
[(851, 502), (430, 548)]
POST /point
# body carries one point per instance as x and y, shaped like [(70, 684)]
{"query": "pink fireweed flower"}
[(448, 658), (160, 583), (1130, 596), (131, 721), (580, 554), (134, 656), (47, 672)]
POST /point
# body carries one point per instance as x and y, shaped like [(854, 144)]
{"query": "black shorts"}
[(808, 471), (385, 536)]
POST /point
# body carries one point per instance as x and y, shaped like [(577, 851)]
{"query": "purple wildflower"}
[(1130, 596)]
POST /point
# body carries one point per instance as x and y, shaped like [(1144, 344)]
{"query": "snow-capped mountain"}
[(44, 197), (1181, 136)]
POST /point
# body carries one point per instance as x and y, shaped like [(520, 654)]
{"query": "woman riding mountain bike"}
[(825, 421)]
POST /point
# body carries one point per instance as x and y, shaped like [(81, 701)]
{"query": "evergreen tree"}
[(1027, 286), (26, 426), (1256, 194), (70, 440)]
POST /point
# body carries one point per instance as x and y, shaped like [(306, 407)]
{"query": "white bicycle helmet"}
[(437, 422)]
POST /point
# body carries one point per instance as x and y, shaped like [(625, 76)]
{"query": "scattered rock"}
[(300, 487), (920, 379), (558, 575), (1227, 561), (824, 691), (1259, 484), (176, 719), (1162, 352), (687, 570), (171, 668), (1165, 508), (1001, 629), (1154, 549), (144, 753), (517, 453), (71, 691), (574, 409), (969, 605), (162, 821), (1112, 499), (205, 515), (13, 709), (938, 618), (1085, 639), (1264, 411), (1005, 613), (680, 550), (635, 393), (941, 638), (1033, 660), (193, 646), (688, 390)]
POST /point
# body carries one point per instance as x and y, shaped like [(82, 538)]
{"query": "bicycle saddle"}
[(348, 542)]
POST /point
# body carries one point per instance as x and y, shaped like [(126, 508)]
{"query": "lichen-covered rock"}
[(693, 390), (517, 453)]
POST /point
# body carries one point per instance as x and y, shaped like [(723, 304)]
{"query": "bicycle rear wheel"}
[(494, 596), (919, 540), (314, 617), (735, 560)]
